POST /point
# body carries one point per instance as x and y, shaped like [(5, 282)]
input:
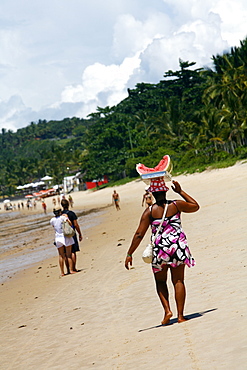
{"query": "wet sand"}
[(26, 236), (106, 317)]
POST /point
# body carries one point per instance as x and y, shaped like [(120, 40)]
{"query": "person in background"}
[(116, 200), (147, 197), (71, 202), (63, 243), (73, 219), (171, 251), (44, 206)]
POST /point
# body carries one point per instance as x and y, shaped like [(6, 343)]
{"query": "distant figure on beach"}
[(71, 202), (44, 206), (116, 200), (147, 198), (171, 251), (63, 243), (73, 219)]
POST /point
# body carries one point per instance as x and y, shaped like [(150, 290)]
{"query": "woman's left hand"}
[(176, 187), (128, 261)]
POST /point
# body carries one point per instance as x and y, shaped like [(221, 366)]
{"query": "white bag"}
[(67, 229), (147, 254)]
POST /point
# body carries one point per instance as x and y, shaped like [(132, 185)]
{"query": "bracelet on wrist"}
[(129, 255)]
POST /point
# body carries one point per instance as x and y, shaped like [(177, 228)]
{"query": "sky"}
[(65, 58)]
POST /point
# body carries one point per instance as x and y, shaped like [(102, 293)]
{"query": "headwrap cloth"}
[(157, 184)]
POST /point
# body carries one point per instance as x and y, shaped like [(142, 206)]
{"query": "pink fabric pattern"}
[(171, 247)]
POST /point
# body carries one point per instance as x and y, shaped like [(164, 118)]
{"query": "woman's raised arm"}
[(189, 204)]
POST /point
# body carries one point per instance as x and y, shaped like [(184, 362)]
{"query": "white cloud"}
[(97, 79), (13, 113), (66, 60), (233, 15), (194, 41), (132, 35)]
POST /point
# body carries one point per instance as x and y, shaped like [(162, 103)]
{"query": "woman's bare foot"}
[(73, 272), (181, 319), (166, 319)]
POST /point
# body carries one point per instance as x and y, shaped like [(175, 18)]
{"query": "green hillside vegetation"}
[(197, 116)]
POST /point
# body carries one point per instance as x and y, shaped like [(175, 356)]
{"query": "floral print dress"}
[(170, 247)]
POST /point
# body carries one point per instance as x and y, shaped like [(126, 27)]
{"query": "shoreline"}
[(32, 240), (117, 312)]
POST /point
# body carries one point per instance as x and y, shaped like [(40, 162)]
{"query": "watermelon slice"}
[(164, 165)]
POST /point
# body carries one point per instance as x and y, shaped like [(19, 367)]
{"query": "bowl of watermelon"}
[(163, 170)]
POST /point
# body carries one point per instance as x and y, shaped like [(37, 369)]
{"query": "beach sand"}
[(106, 317)]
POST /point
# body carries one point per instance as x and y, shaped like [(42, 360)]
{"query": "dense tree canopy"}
[(197, 116)]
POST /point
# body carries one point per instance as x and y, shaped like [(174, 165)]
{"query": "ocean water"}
[(17, 235)]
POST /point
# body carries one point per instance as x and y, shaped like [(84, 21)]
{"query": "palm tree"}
[(227, 92)]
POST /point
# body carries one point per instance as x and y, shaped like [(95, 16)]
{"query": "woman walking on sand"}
[(73, 219), (63, 243), (170, 250)]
